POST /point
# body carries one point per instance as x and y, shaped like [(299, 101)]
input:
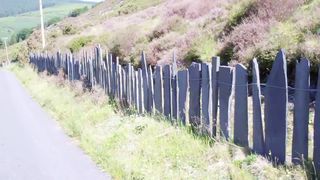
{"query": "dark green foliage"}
[(23, 34), (78, 11), (226, 53), (1, 43), (20, 36), (68, 30), (79, 43), (191, 56), (53, 21)]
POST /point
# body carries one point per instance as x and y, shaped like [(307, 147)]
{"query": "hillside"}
[(237, 30), (14, 24), (14, 7)]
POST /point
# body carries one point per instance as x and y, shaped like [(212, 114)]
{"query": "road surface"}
[(32, 145)]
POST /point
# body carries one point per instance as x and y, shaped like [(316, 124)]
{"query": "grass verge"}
[(137, 147)]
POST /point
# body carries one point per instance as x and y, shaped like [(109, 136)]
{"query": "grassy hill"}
[(14, 7), (13, 24), (236, 30)]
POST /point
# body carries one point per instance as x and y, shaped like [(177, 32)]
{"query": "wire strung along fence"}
[(212, 98)]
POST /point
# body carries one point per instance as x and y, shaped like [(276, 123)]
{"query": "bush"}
[(76, 44), (1, 43), (77, 12), (68, 30), (191, 56), (53, 20)]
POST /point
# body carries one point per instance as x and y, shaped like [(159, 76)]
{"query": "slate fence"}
[(210, 97)]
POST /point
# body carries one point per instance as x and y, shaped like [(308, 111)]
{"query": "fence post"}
[(182, 79), (301, 112), (145, 82), (151, 90), (316, 130), (225, 89), (241, 106), (158, 89), (194, 101), (167, 90), (205, 97), (215, 63), (276, 101), (174, 89), (258, 138), (140, 94)]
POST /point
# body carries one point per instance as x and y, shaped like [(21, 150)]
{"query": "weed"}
[(76, 44)]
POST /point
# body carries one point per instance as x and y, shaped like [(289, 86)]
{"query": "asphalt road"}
[(32, 145)]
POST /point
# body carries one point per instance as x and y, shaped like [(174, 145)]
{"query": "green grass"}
[(137, 147), (13, 24)]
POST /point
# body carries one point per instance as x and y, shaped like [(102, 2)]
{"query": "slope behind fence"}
[(204, 96)]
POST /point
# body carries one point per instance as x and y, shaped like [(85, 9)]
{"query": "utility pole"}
[(5, 45), (42, 25)]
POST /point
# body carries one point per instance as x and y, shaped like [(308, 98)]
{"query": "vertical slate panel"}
[(301, 112), (194, 101), (258, 137), (145, 82), (129, 84), (108, 73), (241, 106), (111, 72), (120, 86), (205, 97), (225, 88), (316, 130), (151, 90), (117, 74), (158, 89), (167, 91), (214, 91), (140, 94), (174, 89), (182, 80), (276, 101), (136, 91)]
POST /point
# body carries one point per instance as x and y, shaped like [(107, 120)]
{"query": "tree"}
[(1, 43), (23, 34)]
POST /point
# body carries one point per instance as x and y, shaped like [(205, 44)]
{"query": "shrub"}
[(76, 44), (1, 43), (131, 6), (53, 21), (238, 12), (189, 8), (69, 30), (191, 56), (22, 55), (174, 23), (78, 11)]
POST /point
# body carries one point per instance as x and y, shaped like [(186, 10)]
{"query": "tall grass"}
[(142, 147)]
